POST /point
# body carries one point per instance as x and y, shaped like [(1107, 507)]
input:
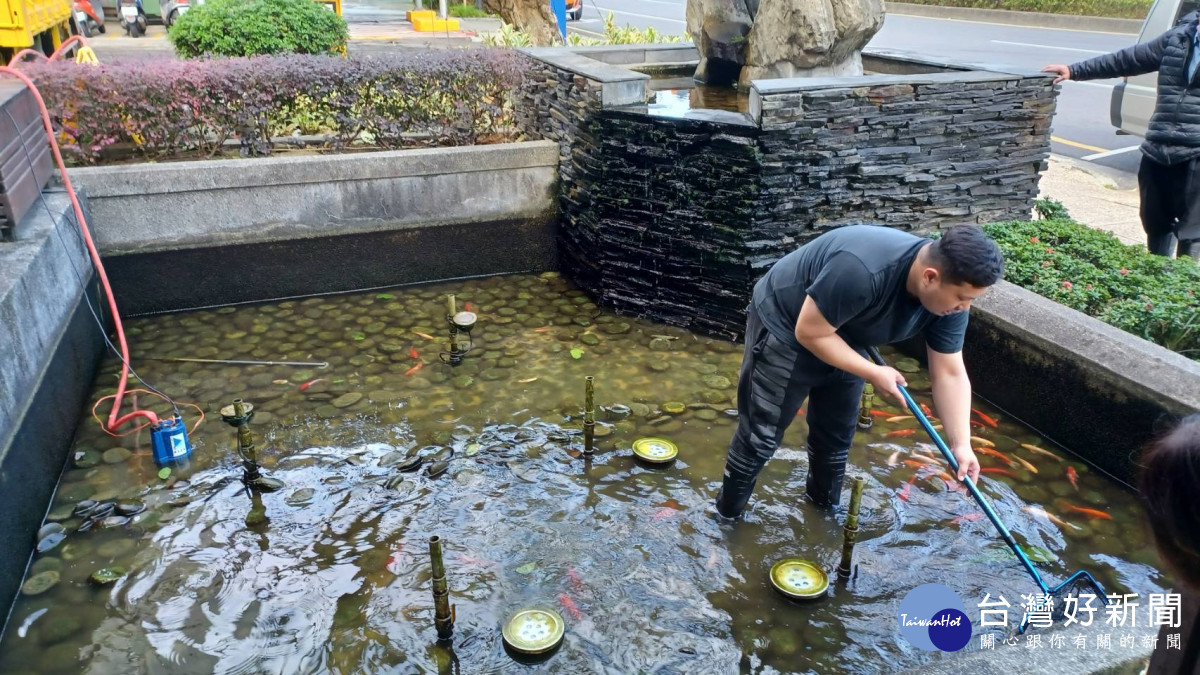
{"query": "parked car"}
[(1133, 99), (574, 10)]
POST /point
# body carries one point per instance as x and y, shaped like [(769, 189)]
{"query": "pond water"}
[(331, 573)]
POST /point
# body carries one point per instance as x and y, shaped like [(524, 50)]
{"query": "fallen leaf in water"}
[(527, 568), (577, 353)]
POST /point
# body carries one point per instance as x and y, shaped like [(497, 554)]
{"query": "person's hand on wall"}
[(1062, 72)]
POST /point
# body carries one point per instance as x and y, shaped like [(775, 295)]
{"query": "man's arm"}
[(952, 398), (820, 337), (1142, 58)]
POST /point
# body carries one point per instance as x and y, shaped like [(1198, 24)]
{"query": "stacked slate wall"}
[(676, 218)]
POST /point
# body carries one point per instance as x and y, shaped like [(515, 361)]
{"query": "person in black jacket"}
[(1169, 176)]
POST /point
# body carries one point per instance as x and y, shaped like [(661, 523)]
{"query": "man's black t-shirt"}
[(857, 275)]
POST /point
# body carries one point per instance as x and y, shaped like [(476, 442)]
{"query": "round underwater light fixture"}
[(464, 321), (799, 579), (655, 450), (534, 631)]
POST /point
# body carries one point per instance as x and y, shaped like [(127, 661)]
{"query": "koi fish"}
[(983, 441), (527, 380), (899, 418), (925, 409), (393, 562), (1037, 511), (1031, 468), (543, 329), (993, 471), (986, 420), (923, 460), (569, 604), (880, 413), (672, 504), (900, 432), (1090, 513), (914, 464), (467, 306), (800, 412), (280, 382), (576, 582), (427, 336), (894, 458), (310, 383), (413, 353), (907, 489), (966, 518), (994, 453), (1073, 476), (1040, 451), (415, 368), (663, 513)]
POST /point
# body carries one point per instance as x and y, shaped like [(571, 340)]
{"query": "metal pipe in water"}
[(851, 528), (864, 412), (589, 416), (443, 611)]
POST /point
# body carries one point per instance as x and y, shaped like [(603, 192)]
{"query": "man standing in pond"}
[(809, 323)]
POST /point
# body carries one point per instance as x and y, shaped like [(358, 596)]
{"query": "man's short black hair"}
[(965, 254)]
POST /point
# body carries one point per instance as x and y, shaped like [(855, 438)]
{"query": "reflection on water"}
[(681, 97), (331, 574)]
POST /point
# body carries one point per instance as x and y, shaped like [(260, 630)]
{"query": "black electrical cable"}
[(75, 268)]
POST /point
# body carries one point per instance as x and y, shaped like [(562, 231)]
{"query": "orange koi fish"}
[(415, 368), (569, 604), (907, 489), (880, 413), (983, 441), (899, 418), (310, 383), (925, 409), (986, 420), (923, 460), (1039, 512), (413, 353), (993, 471), (800, 412), (467, 306), (1090, 513), (994, 453), (1029, 467), (900, 432), (1040, 451), (1073, 476), (967, 518), (576, 582), (543, 329), (427, 336)]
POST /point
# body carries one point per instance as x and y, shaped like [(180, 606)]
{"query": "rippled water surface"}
[(331, 574)]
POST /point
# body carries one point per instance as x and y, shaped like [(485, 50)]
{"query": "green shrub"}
[(1089, 270), (258, 27), (1120, 9), (466, 12)]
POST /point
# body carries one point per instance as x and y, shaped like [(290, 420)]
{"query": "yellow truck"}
[(34, 24)]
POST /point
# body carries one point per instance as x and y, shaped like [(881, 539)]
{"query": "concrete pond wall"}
[(191, 234)]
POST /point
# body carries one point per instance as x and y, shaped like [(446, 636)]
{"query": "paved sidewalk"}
[(1094, 198)]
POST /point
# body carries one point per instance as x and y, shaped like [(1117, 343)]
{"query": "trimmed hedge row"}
[(1092, 271), (170, 109)]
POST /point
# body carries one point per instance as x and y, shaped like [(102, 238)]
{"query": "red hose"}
[(114, 422)]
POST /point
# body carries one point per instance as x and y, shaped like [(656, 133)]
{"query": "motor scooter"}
[(88, 17), (133, 17)]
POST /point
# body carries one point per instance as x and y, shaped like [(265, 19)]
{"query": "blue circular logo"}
[(933, 617)]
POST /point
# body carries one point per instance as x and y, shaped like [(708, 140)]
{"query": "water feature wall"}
[(675, 218)]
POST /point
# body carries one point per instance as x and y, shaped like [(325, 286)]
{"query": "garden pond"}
[(189, 573)]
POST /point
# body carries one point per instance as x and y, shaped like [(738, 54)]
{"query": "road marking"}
[(589, 32), (642, 16), (1110, 153), (1065, 49), (1014, 25), (1074, 144)]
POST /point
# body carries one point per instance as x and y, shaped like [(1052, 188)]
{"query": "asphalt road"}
[(1081, 125)]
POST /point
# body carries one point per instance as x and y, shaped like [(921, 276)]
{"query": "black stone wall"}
[(675, 219)]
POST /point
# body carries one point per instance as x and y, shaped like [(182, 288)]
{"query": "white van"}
[(1133, 100)]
